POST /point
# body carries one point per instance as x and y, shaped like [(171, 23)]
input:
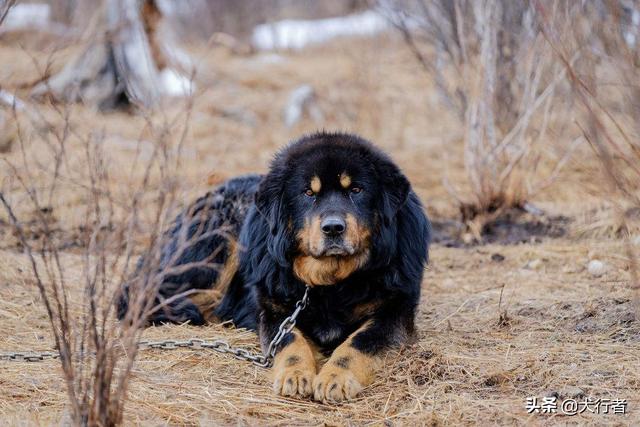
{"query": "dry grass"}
[(96, 353), (490, 333), (563, 329)]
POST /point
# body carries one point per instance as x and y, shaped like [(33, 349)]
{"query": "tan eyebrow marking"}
[(345, 180), (316, 185)]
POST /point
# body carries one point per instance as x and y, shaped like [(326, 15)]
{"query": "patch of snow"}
[(26, 15), (175, 84), (631, 35), (10, 100), (296, 34)]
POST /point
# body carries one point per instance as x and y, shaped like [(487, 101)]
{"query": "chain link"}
[(30, 356), (221, 346)]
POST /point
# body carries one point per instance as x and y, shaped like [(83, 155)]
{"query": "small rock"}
[(596, 268), (636, 240), (551, 393), (468, 238), (497, 257), (534, 264), (571, 392)]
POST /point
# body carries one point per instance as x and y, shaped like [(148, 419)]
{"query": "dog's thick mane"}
[(257, 209)]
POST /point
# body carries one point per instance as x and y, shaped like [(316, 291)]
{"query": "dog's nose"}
[(333, 225)]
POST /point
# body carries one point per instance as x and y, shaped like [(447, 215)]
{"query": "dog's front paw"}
[(334, 384), (294, 381)]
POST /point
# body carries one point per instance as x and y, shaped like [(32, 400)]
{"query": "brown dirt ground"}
[(493, 330)]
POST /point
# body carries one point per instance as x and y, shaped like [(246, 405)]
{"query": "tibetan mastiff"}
[(334, 213)]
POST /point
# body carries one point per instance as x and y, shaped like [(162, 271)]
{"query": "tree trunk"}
[(120, 65)]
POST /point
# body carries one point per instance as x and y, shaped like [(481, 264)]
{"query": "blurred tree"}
[(5, 5), (121, 62), (491, 66)]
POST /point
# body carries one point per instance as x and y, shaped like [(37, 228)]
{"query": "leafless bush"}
[(492, 68), (607, 86), (97, 353)]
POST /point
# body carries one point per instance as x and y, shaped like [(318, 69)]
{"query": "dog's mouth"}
[(337, 250), (329, 266), (334, 250)]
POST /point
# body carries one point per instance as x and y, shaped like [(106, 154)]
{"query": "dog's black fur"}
[(272, 217)]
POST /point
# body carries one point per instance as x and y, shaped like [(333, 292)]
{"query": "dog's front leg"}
[(294, 366), (354, 363), (350, 368)]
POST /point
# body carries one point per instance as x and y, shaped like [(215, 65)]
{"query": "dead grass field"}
[(492, 330)]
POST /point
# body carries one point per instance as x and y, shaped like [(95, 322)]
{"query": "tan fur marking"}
[(316, 185), (327, 270), (366, 309), (335, 383), (345, 180), (294, 367), (310, 238), (206, 300), (356, 234)]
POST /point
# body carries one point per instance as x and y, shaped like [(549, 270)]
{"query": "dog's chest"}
[(328, 337), (330, 321)]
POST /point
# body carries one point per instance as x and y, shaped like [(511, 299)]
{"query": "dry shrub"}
[(96, 352), (607, 86), (504, 88)]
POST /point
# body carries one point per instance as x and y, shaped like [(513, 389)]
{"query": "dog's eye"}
[(356, 190), (309, 192)]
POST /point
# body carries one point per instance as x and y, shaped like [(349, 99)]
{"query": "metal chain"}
[(286, 326), (30, 356), (221, 346)]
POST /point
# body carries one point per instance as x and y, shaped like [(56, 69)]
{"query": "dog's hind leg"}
[(197, 259)]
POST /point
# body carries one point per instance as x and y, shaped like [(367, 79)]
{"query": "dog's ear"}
[(395, 190), (270, 204)]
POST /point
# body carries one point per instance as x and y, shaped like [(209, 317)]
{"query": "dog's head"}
[(331, 202)]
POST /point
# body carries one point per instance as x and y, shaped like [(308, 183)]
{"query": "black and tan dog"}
[(334, 213)]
